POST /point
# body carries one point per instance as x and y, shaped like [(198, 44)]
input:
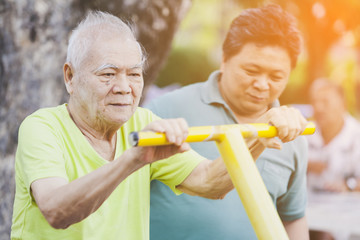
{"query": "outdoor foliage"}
[(185, 66), (331, 31)]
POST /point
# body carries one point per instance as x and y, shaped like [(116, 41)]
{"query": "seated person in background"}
[(334, 149), (259, 52)]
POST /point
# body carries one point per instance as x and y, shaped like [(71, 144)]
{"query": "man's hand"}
[(176, 131), (289, 122)]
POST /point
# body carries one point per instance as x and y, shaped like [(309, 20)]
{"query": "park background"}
[(183, 40)]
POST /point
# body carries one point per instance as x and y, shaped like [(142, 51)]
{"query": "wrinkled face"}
[(254, 78), (328, 106), (106, 88)]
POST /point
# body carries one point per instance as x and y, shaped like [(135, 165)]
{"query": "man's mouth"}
[(120, 104), (257, 98)]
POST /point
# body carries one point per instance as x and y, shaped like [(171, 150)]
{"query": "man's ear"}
[(68, 77)]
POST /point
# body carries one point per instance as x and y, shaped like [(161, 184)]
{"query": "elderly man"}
[(259, 52), (77, 177), (334, 150)]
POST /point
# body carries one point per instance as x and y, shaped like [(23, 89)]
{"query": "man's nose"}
[(121, 85), (261, 82)]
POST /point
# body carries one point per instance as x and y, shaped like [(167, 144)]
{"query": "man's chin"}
[(257, 107), (121, 117)]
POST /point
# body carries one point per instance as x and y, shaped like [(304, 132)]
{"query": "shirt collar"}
[(210, 91)]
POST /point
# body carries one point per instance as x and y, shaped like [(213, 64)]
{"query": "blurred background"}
[(331, 31), (183, 39)]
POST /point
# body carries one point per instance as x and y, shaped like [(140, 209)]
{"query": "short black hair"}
[(268, 25)]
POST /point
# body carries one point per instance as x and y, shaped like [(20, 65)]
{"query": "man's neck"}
[(250, 118), (330, 131), (101, 139)]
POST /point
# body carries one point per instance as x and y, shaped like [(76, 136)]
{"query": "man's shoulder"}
[(176, 101), (181, 94), (50, 115), (348, 135), (352, 124)]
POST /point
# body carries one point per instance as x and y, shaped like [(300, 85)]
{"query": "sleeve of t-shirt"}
[(292, 205), (173, 171), (39, 153)]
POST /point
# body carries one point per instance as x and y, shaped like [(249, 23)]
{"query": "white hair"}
[(94, 23)]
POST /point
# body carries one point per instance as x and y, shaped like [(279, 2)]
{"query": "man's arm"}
[(63, 203), (297, 229), (210, 178)]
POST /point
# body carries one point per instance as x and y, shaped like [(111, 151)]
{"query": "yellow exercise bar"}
[(250, 187), (211, 133), (241, 168)]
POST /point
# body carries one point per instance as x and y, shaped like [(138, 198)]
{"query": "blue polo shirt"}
[(190, 217)]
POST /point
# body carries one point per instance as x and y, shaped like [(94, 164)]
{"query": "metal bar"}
[(241, 168), (211, 133), (250, 186)]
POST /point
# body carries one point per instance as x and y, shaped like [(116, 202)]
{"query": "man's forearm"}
[(255, 148), (297, 229), (211, 179), (64, 204)]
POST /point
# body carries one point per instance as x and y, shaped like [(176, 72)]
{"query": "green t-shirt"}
[(50, 145)]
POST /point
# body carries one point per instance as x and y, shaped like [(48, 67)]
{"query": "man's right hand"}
[(289, 122), (176, 131)]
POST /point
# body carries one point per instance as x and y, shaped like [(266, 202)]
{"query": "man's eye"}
[(134, 74), (276, 78), (108, 75), (251, 71)]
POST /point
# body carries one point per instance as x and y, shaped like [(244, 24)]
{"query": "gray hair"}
[(92, 24)]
